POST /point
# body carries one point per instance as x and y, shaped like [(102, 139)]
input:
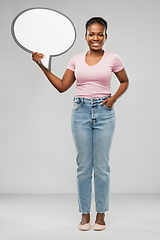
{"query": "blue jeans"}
[(92, 127)]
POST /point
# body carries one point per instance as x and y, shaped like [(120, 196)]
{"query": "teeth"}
[(95, 44)]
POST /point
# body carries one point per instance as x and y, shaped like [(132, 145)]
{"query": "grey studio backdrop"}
[(37, 153)]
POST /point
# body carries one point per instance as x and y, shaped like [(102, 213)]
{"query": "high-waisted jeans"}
[(93, 127)]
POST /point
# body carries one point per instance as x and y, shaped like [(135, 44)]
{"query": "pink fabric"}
[(94, 81)]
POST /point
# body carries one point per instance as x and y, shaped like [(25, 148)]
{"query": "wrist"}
[(114, 98)]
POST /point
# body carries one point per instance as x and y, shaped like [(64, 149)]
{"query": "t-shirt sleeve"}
[(117, 64), (71, 64)]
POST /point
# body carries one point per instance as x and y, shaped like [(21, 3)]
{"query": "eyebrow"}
[(93, 32)]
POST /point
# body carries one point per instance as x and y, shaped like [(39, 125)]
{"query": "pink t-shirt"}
[(94, 81)]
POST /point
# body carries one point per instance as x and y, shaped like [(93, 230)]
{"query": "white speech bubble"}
[(45, 31)]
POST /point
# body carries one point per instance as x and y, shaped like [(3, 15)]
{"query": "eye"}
[(101, 34), (90, 34)]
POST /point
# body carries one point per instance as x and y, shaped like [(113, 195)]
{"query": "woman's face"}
[(95, 36)]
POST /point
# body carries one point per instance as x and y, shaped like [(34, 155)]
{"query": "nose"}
[(95, 37)]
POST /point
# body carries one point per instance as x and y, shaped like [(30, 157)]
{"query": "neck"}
[(95, 53)]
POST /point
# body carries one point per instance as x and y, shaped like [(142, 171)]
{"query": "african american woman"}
[(93, 116)]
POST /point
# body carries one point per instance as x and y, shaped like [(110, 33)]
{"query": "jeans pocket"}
[(76, 106), (107, 107)]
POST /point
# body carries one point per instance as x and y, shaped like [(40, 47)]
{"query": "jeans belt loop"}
[(82, 102)]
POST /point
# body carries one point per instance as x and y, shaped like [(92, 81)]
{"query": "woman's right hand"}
[(60, 84), (37, 57)]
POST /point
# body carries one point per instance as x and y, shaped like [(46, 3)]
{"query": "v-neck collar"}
[(96, 63)]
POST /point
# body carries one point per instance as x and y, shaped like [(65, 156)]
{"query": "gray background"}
[(37, 152)]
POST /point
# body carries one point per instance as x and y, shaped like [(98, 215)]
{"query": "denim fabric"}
[(92, 127)]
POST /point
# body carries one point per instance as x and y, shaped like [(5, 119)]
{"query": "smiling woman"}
[(93, 116), (95, 38), (96, 34)]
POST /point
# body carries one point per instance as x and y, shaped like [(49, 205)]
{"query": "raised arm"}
[(60, 84)]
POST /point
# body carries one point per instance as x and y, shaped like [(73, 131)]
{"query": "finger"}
[(108, 104), (34, 53), (104, 102), (40, 55), (35, 59)]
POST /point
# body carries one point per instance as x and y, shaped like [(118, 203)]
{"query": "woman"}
[(93, 117)]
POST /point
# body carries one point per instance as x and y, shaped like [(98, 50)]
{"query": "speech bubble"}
[(43, 30)]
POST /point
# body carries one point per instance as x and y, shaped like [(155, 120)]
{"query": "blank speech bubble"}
[(45, 31)]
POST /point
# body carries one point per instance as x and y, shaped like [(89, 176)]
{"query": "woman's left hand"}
[(109, 102)]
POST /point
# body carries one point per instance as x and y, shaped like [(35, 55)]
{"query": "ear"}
[(106, 37), (86, 37)]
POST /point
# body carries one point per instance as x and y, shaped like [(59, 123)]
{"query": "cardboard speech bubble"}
[(43, 30)]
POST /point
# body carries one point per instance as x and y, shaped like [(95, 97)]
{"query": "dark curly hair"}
[(96, 20)]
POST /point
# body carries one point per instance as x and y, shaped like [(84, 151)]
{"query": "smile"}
[(95, 44)]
